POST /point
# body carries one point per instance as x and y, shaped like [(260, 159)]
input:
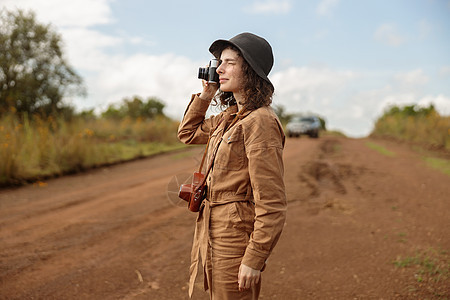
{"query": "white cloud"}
[(388, 34), (111, 77), (317, 90), (80, 13), (85, 48), (391, 97), (351, 101), (310, 79), (269, 7), (440, 102), (325, 7), (412, 78), (372, 104), (365, 106), (171, 78)]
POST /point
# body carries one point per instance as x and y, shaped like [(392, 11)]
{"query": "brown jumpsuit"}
[(245, 209)]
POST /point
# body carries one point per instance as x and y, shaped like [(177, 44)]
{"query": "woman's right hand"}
[(209, 90)]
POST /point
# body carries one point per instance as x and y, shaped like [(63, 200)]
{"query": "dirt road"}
[(361, 225)]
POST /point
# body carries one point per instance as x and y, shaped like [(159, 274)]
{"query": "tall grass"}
[(31, 148), (424, 126)]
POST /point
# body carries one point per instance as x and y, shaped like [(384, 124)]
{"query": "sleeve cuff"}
[(254, 260)]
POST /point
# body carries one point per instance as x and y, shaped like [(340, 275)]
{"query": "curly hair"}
[(257, 91)]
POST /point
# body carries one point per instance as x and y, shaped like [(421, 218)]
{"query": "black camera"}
[(209, 73)]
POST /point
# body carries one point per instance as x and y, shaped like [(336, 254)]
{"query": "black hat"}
[(255, 50)]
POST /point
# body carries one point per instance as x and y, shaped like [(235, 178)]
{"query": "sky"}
[(345, 60)]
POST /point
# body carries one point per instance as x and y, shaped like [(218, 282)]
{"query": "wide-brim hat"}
[(255, 50)]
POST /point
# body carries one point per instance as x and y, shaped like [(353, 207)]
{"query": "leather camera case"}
[(195, 192)]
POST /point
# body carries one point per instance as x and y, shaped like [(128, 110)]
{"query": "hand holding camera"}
[(210, 79), (209, 73)]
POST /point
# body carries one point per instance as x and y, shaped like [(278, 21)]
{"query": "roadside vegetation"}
[(40, 134), (421, 125), (424, 127), (380, 149), (34, 147), (440, 164)]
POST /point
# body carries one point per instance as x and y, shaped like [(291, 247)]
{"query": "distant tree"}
[(136, 107), (133, 107), (88, 114), (153, 107), (112, 112), (281, 114), (410, 111), (323, 123), (34, 75)]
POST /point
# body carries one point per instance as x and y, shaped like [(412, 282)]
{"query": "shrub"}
[(413, 123), (33, 147)]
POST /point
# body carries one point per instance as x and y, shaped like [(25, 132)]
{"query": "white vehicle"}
[(309, 125)]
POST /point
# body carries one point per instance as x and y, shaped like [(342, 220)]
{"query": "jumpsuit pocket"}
[(230, 155), (241, 216)]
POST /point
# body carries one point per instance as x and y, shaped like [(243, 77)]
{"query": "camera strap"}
[(207, 144)]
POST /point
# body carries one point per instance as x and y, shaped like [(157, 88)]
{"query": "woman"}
[(245, 207)]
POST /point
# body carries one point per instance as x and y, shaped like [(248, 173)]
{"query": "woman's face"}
[(230, 71)]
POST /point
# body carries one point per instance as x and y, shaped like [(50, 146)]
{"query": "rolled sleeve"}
[(194, 128)]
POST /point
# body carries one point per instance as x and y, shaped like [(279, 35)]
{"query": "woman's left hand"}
[(247, 277)]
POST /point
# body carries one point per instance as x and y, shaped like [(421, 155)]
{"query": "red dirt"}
[(119, 233)]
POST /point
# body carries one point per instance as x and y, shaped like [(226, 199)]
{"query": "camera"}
[(209, 73), (195, 192)]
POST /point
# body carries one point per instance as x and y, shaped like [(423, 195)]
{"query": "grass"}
[(380, 149), (333, 133), (437, 160), (34, 148), (440, 164), (402, 237), (431, 264)]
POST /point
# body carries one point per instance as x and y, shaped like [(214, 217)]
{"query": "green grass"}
[(380, 149), (430, 264), (443, 165), (402, 237)]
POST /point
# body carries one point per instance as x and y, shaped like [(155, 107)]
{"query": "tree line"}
[(419, 124), (35, 77)]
